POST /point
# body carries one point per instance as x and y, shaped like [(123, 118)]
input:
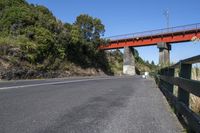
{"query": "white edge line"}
[(54, 83)]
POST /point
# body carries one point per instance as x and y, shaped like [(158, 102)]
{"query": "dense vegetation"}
[(32, 40), (31, 34)]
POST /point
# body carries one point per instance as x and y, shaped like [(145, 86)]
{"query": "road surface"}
[(85, 105)]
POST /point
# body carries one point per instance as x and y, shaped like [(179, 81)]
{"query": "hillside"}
[(116, 62), (35, 44)]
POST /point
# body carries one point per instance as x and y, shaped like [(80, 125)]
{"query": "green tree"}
[(14, 19), (152, 63), (91, 28)]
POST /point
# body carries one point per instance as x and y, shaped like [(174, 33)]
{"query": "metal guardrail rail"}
[(171, 30), (166, 82)]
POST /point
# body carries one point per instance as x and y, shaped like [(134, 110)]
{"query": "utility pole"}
[(166, 14)]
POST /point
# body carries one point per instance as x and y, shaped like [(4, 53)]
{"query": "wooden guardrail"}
[(166, 81)]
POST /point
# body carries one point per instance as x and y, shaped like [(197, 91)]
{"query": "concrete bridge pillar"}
[(164, 53), (129, 61)]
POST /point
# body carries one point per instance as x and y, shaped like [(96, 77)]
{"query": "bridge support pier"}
[(129, 61), (164, 53)]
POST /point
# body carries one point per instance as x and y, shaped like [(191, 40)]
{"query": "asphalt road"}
[(85, 105)]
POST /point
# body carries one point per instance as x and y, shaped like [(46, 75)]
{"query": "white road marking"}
[(54, 83)]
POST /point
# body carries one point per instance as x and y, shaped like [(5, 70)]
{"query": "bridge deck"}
[(169, 35), (107, 105)]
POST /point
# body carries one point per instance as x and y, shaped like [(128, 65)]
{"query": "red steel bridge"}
[(163, 38), (168, 35)]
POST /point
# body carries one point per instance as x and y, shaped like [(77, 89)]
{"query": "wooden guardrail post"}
[(185, 72), (170, 73), (161, 83)]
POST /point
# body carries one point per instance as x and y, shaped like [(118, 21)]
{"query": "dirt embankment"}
[(24, 70)]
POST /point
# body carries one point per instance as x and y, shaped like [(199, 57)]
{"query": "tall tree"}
[(152, 63), (91, 28)]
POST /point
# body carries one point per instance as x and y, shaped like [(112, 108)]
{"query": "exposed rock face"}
[(9, 72)]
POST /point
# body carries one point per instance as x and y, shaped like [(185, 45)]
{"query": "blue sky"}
[(129, 16)]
